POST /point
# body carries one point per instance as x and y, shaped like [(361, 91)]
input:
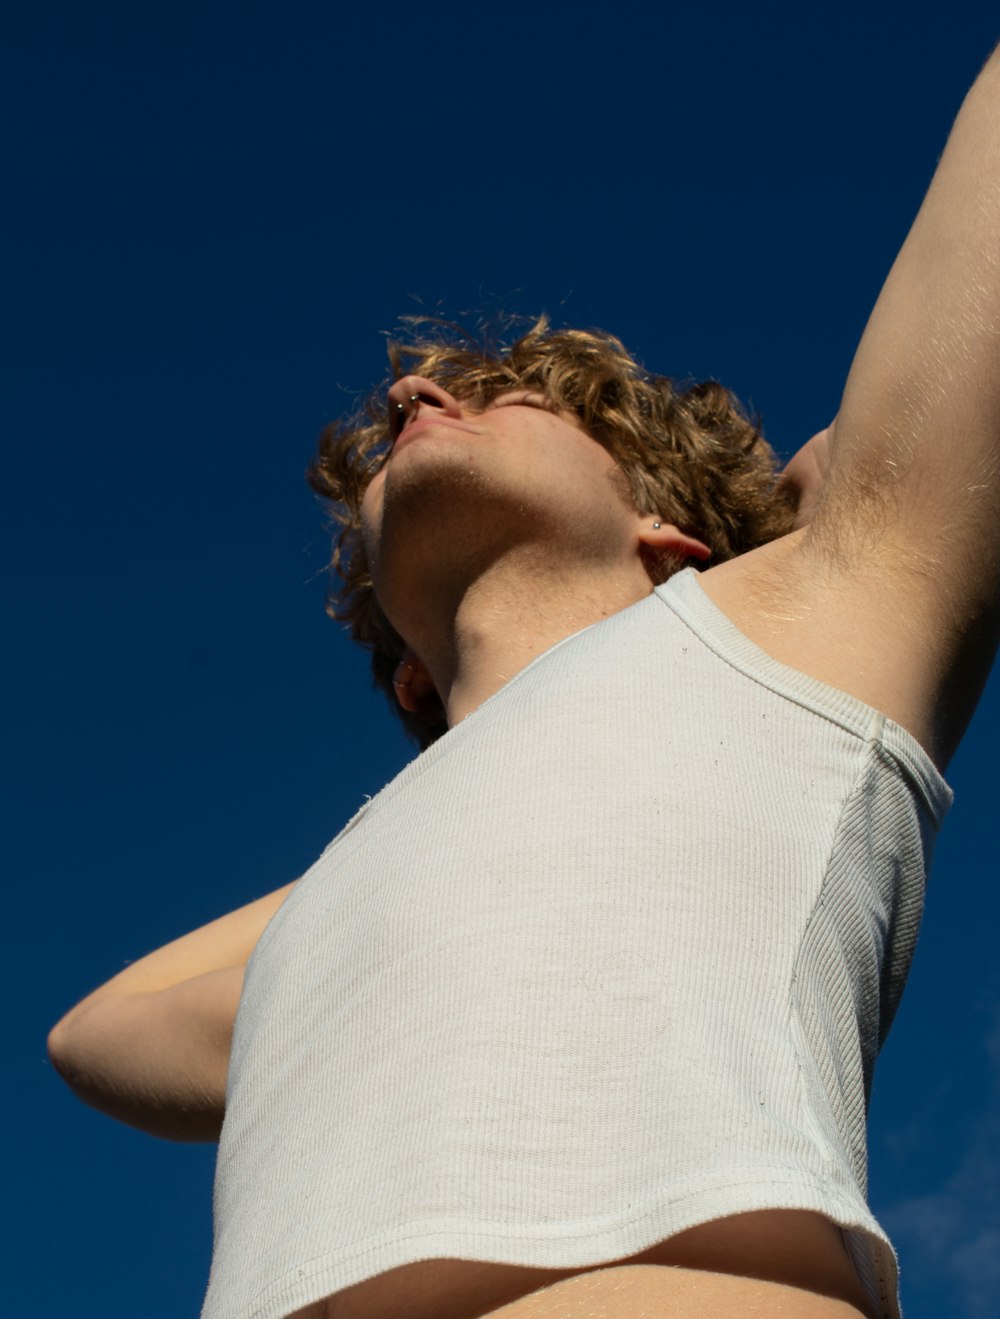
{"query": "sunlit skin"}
[(492, 535)]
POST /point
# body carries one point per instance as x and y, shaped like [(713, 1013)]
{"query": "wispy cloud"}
[(954, 1231)]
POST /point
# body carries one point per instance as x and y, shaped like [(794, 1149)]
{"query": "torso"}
[(791, 1262), (785, 1262)]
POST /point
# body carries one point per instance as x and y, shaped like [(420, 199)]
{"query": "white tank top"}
[(612, 958)]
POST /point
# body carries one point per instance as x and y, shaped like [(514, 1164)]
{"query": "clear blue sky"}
[(213, 213)]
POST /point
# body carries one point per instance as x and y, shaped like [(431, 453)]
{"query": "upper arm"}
[(905, 544)]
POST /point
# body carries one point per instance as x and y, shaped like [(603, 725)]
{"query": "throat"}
[(498, 630)]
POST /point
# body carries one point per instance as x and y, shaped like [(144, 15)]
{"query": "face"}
[(461, 486)]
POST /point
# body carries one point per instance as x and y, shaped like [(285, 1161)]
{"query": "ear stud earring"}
[(657, 526), (403, 682)]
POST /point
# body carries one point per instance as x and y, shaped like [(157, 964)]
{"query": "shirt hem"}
[(569, 1245)]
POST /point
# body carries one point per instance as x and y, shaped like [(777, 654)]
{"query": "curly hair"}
[(691, 456)]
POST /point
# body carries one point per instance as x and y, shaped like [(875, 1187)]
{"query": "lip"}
[(422, 423)]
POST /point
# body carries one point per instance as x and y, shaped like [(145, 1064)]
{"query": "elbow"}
[(79, 1056), (60, 1047), (110, 1055), (54, 1045)]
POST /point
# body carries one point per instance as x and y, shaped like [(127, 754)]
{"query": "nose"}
[(411, 394)]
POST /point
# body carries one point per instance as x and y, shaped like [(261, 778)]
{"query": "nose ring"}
[(401, 407)]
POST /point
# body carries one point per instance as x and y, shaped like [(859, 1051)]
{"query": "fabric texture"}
[(612, 958)]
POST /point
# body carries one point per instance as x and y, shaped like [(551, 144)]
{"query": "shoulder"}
[(872, 626)]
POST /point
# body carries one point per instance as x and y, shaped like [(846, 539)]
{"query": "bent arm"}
[(151, 1047)]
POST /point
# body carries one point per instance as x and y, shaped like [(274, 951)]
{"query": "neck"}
[(504, 620)]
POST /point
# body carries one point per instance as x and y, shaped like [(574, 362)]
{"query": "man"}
[(579, 1014)]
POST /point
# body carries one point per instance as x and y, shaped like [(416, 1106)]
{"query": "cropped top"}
[(612, 958)]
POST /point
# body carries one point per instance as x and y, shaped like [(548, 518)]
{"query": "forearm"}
[(916, 450), (228, 941), (151, 1047)]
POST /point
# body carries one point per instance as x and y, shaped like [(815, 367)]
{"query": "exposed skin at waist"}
[(786, 1262)]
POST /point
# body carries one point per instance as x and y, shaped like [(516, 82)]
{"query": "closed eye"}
[(528, 399)]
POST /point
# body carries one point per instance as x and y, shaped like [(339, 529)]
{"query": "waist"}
[(787, 1262)]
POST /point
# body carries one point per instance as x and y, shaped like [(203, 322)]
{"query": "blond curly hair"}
[(690, 456)]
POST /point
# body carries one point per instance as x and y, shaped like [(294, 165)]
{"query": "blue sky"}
[(214, 215)]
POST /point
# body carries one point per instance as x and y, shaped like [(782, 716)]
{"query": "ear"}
[(412, 683), (665, 538)]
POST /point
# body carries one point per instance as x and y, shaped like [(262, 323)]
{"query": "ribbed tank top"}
[(612, 958)]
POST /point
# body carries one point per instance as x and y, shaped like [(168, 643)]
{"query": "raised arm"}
[(918, 435), (892, 592), (151, 1047)]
